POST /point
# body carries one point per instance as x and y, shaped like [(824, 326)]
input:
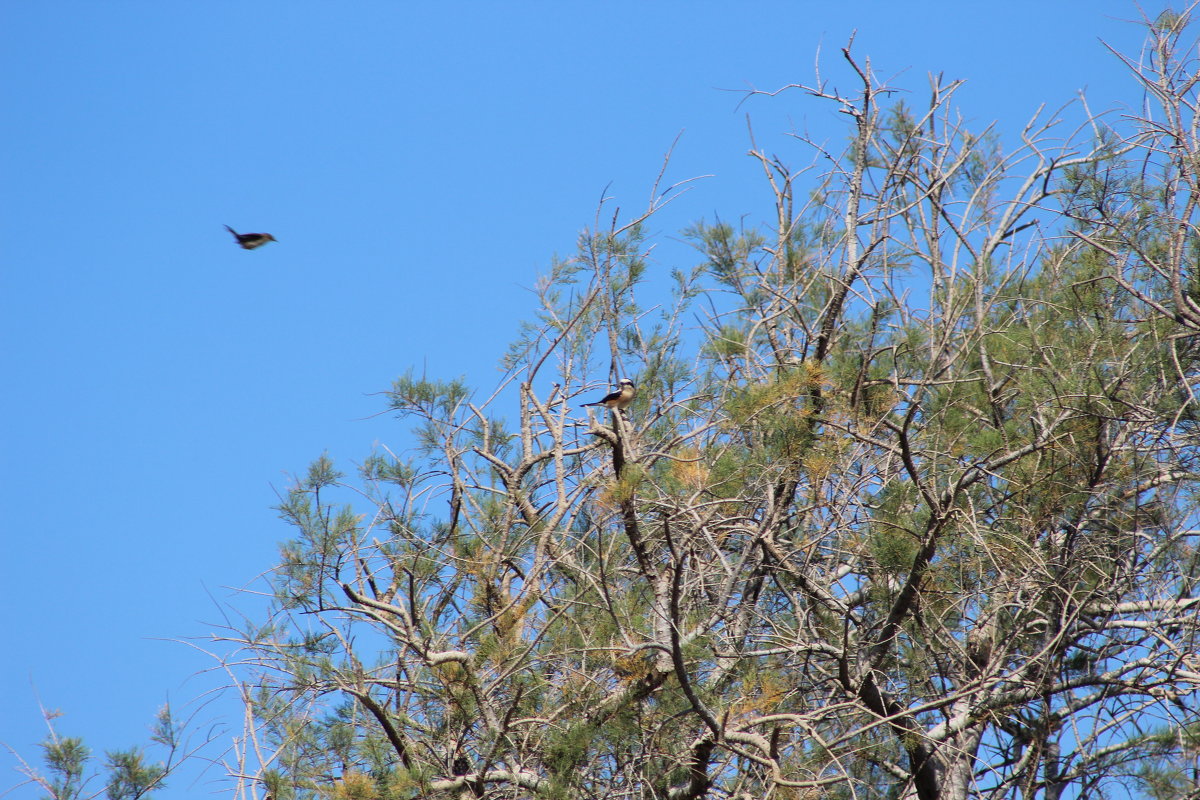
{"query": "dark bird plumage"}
[(619, 399), (251, 240)]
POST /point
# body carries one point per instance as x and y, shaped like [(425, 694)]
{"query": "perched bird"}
[(251, 240), (619, 399)]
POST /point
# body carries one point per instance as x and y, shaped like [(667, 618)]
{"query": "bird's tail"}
[(231, 230)]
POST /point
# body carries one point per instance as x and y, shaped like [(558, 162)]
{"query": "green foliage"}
[(130, 777), (65, 759), (126, 774), (416, 395)]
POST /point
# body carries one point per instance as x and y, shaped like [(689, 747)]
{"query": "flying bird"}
[(251, 240), (619, 399)]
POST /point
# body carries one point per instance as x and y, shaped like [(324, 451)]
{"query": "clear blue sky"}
[(420, 165)]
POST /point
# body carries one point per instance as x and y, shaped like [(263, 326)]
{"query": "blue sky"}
[(420, 165)]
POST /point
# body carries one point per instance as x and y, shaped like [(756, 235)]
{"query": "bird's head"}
[(625, 383)]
